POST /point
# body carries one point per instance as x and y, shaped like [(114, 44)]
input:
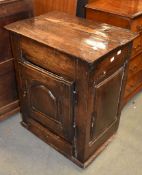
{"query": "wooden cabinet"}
[(10, 11), (126, 14), (71, 86)]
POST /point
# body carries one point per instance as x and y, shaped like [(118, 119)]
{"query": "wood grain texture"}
[(44, 6), (85, 40), (127, 8), (75, 110), (134, 81), (10, 11)]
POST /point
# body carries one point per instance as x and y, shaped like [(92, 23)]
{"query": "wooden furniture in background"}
[(74, 7), (71, 76), (126, 14), (45, 6), (10, 11)]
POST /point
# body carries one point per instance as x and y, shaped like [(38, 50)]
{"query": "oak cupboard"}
[(126, 14), (10, 11), (71, 76)]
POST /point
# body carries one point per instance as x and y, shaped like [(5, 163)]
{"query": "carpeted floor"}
[(22, 153)]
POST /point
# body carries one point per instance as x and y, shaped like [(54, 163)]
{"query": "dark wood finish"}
[(55, 113), (10, 11), (71, 86), (126, 14)]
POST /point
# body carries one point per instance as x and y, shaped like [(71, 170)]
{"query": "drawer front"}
[(5, 50), (137, 46), (47, 99), (109, 65), (134, 83), (104, 17), (8, 90), (48, 58), (135, 65), (136, 25)]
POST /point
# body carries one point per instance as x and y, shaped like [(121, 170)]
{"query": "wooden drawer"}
[(137, 46), (5, 50), (108, 18), (8, 90), (134, 84), (111, 64), (134, 81), (136, 25), (48, 58), (135, 65)]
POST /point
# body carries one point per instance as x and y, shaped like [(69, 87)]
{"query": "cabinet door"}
[(106, 103), (48, 99)]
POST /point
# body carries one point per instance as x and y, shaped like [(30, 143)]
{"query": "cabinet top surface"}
[(127, 8), (78, 37)]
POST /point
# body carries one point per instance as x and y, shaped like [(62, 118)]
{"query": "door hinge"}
[(75, 140), (75, 101), (25, 91), (93, 123), (75, 96), (75, 153)]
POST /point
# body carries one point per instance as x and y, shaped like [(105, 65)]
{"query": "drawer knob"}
[(112, 59), (119, 52), (137, 47), (104, 72), (25, 94), (139, 28)]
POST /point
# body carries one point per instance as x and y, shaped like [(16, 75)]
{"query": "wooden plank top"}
[(78, 37), (126, 8)]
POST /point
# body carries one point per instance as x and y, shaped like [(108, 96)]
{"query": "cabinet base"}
[(59, 144), (10, 109)]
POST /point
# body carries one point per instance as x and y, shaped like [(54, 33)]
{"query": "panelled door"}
[(48, 99), (106, 103)]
